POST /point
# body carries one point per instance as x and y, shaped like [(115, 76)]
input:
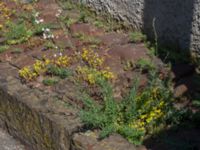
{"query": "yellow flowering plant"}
[(27, 74), (5, 14), (31, 73), (137, 115), (42, 67), (62, 61), (91, 58), (91, 74), (39, 67)]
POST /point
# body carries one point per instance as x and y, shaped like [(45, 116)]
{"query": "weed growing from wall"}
[(138, 114)]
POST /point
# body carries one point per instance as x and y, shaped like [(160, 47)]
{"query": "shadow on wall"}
[(173, 25), (184, 137), (173, 21)]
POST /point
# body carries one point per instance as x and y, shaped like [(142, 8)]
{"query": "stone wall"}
[(177, 22), (42, 122)]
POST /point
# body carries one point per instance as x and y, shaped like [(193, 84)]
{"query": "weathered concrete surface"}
[(9, 143), (176, 22)]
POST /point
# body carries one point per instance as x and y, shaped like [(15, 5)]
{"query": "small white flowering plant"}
[(59, 12), (40, 27), (47, 34)]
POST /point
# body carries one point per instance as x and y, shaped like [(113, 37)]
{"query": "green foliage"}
[(50, 81), (82, 18), (3, 48), (25, 16), (61, 72), (128, 65), (67, 20), (17, 50), (99, 24), (67, 5), (196, 103), (87, 39), (38, 28), (49, 45), (17, 33), (137, 37), (138, 114), (173, 55), (170, 53), (109, 116), (145, 64)]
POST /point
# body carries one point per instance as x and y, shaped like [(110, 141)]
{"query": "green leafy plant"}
[(57, 71), (69, 21), (82, 18), (3, 48), (67, 5), (196, 103), (17, 50), (25, 16), (87, 39), (128, 65), (138, 114), (173, 55), (99, 24), (50, 81), (137, 37), (49, 45), (17, 33), (145, 64)]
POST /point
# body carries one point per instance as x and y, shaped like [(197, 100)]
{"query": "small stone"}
[(180, 90)]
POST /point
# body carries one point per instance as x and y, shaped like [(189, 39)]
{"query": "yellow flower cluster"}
[(62, 61), (91, 74), (4, 14), (92, 58), (154, 114), (139, 125), (149, 116), (27, 74), (107, 74), (40, 67)]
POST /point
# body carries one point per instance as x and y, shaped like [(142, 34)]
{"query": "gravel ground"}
[(7, 142)]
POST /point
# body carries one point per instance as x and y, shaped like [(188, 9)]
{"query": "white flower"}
[(37, 21), (36, 14), (44, 36), (47, 30), (56, 47), (55, 55), (59, 10), (41, 20), (57, 15), (60, 54)]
